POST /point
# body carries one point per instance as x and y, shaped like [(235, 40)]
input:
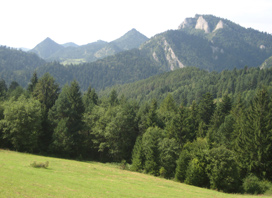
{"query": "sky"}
[(25, 23)]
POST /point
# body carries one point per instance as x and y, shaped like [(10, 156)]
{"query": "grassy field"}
[(68, 178)]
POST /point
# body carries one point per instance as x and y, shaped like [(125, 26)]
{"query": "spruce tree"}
[(33, 82), (260, 125), (67, 115)]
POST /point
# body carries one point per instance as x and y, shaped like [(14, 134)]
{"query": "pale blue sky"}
[(25, 23)]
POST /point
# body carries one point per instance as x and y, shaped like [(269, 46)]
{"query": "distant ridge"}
[(46, 48), (73, 53), (132, 39), (70, 44)]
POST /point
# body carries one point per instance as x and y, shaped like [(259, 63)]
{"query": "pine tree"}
[(222, 110), (67, 115), (46, 91), (206, 108), (33, 82), (260, 125), (90, 99)]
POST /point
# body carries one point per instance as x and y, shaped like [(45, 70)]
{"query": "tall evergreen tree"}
[(3, 88), (33, 82), (67, 115), (46, 91), (260, 125), (90, 99)]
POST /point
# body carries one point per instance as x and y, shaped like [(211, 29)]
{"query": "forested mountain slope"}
[(125, 67), (17, 65), (210, 43), (191, 83)]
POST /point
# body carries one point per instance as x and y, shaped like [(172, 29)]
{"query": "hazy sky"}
[(25, 23)]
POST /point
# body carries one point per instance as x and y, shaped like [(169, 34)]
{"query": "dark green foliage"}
[(253, 185), (182, 164), (206, 108), (151, 139), (33, 82), (67, 114), (223, 170), (113, 98), (13, 85), (21, 123), (3, 89), (138, 155), (192, 162), (189, 84), (125, 67), (90, 99), (260, 132), (169, 150), (46, 91), (195, 173)]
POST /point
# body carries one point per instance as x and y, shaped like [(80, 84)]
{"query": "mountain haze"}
[(72, 53), (46, 48)]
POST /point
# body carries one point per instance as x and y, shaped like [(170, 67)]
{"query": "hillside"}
[(17, 65), (69, 178), (267, 63), (191, 83), (210, 43), (72, 53), (125, 67)]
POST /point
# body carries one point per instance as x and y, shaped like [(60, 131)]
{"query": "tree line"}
[(220, 144)]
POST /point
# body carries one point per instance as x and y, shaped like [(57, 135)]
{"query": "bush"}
[(40, 164), (223, 170), (162, 172), (123, 165), (253, 185), (196, 174)]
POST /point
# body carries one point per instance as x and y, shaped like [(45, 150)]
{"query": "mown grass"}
[(68, 178)]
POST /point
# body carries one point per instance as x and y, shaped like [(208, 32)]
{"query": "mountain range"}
[(204, 41), (72, 53)]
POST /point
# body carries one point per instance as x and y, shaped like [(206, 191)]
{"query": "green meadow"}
[(69, 178)]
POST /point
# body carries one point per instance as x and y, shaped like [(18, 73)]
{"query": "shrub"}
[(40, 164), (196, 174), (123, 165), (223, 170), (162, 172), (253, 185)]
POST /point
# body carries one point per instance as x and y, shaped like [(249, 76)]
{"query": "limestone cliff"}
[(219, 25), (202, 24)]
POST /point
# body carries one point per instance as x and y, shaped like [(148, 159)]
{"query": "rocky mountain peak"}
[(188, 22), (219, 25), (202, 24), (208, 23)]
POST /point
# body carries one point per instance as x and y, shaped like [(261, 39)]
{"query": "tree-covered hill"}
[(191, 83), (125, 67), (17, 65), (13, 59)]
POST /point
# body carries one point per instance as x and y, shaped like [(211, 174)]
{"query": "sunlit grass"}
[(68, 178)]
